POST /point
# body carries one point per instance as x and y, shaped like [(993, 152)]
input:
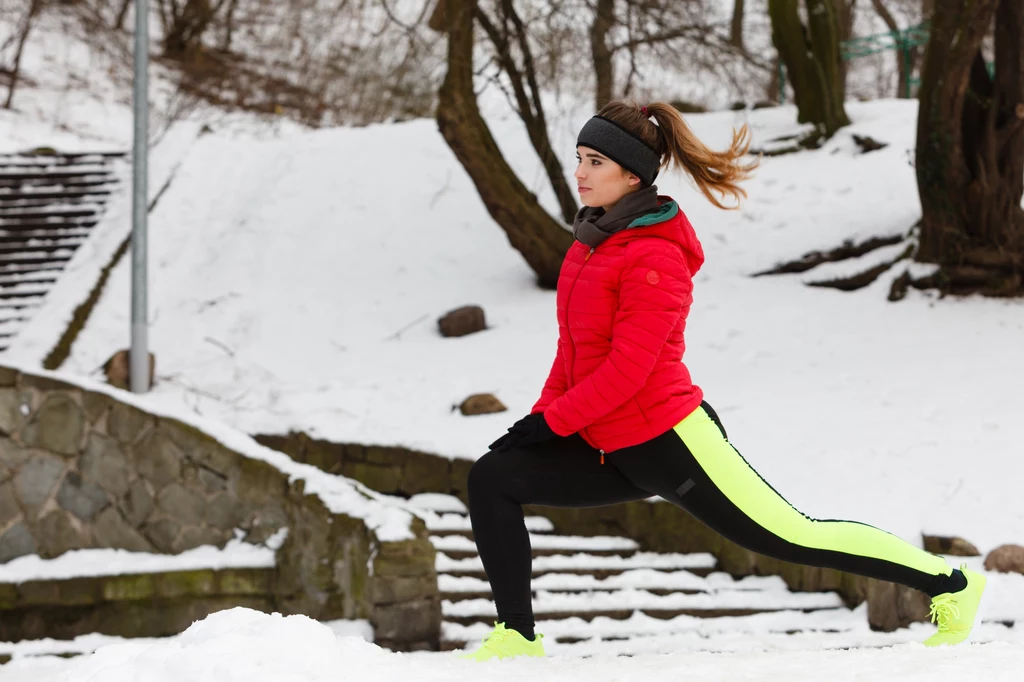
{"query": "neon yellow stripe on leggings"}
[(755, 498)]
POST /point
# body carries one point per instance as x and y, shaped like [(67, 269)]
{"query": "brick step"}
[(487, 619), (14, 198), (458, 546), (8, 174), (57, 231), (48, 213), (459, 524), (35, 258), (588, 564), (25, 269), (40, 245), (689, 633), (37, 160), (14, 279), (26, 225), (136, 605), (31, 290), (50, 184), (459, 588)]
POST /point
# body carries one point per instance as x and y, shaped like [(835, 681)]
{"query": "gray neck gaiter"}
[(593, 225)]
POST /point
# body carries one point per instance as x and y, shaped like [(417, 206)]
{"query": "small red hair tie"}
[(643, 110)]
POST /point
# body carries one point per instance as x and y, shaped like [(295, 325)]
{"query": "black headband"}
[(622, 147)]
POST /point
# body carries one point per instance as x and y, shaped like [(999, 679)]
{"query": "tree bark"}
[(33, 10), (970, 148), (903, 64), (736, 35), (122, 14), (811, 56), (536, 235), (846, 11), (604, 20)]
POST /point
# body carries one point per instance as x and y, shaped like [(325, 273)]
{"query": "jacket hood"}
[(668, 222)]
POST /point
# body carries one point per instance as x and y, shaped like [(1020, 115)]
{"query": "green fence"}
[(903, 41)]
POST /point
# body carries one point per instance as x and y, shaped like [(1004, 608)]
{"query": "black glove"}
[(529, 430)]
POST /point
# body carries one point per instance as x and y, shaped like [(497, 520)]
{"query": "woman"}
[(619, 418)]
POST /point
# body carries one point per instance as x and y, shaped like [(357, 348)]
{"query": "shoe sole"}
[(979, 615)]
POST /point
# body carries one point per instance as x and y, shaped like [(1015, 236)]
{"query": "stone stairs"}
[(602, 592), (49, 203)]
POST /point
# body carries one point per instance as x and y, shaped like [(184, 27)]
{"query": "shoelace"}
[(942, 610), (496, 637)]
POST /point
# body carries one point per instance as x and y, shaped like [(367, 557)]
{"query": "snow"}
[(634, 599), (243, 645), (294, 289), (82, 563), (316, 309), (641, 578), (449, 543), (438, 502), (87, 644), (458, 522), (581, 561)]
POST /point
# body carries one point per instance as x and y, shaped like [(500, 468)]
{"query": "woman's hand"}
[(530, 430)]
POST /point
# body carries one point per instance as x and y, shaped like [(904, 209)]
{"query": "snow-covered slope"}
[(296, 282)]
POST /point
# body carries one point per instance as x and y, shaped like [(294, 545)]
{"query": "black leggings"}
[(693, 466)]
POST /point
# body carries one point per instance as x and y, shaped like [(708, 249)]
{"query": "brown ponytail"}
[(713, 171)]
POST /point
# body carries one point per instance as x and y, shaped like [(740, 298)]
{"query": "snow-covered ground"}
[(296, 278), (246, 646), (296, 283)]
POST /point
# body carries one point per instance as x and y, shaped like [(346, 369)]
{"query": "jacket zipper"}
[(569, 327), (568, 298)]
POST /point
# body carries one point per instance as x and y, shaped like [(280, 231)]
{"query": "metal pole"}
[(138, 370)]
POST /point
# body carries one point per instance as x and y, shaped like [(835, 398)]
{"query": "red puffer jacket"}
[(618, 377)]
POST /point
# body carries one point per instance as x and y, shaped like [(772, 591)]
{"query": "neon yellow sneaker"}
[(505, 643), (955, 612)]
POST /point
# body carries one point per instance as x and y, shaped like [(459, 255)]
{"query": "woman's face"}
[(601, 181)]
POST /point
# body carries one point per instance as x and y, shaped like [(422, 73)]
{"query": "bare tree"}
[(904, 65), (970, 148), (20, 38), (185, 22), (675, 31), (528, 105), (736, 35), (601, 53), (540, 239), (811, 56)]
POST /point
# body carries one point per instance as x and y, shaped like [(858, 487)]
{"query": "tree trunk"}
[(530, 107), (122, 14), (33, 9), (845, 14), (187, 28), (604, 19), (736, 35), (811, 56), (536, 235), (904, 64), (846, 11), (970, 148)]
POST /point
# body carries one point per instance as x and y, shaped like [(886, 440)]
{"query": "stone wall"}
[(79, 469), (657, 527)]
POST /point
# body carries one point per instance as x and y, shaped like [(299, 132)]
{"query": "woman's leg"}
[(695, 467), (564, 472)]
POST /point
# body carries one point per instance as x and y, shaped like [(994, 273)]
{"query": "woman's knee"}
[(486, 473)]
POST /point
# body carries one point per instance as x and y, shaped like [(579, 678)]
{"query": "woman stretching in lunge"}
[(619, 418)]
